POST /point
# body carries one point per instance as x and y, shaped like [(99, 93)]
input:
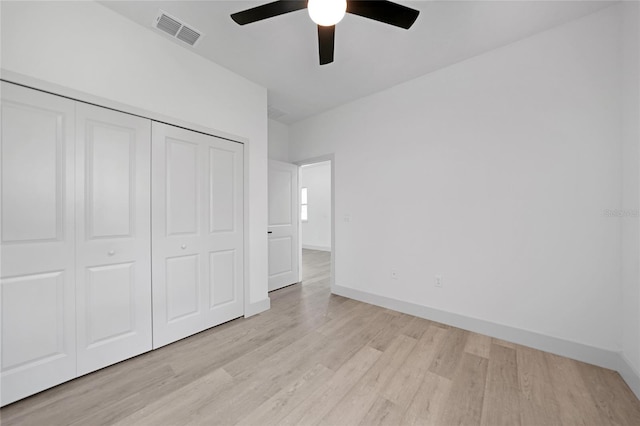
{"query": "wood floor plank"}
[(314, 408), (179, 405), (501, 403), (349, 340), (201, 358), (257, 384), (428, 403), (478, 344), (575, 403), (282, 403), (405, 383), (358, 401), (416, 327), (446, 361), (389, 330), (613, 402), (99, 391), (464, 404), (344, 318), (383, 412), (538, 403), (248, 359)]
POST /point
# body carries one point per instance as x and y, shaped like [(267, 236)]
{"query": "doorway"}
[(316, 218)]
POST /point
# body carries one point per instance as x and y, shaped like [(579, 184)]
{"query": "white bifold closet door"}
[(76, 273), (197, 182), (38, 240), (113, 259)]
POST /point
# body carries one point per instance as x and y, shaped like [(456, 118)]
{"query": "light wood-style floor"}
[(315, 358)]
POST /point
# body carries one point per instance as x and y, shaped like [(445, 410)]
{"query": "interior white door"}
[(197, 232), (38, 286), (283, 224), (113, 260)]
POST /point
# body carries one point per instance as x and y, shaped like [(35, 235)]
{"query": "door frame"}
[(313, 160)]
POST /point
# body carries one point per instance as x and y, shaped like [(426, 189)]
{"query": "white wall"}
[(494, 172), (87, 47), (278, 141), (631, 189), (316, 232)]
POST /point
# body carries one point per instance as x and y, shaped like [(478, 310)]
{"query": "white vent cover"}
[(273, 112), (176, 28)]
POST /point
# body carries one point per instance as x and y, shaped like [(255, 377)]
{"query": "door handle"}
[(269, 232)]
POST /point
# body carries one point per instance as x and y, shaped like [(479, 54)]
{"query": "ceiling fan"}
[(327, 13)]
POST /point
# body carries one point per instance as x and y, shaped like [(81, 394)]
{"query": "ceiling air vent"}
[(176, 28), (188, 35), (168, 24)]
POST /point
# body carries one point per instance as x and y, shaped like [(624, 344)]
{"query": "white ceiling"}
[(281, 53)]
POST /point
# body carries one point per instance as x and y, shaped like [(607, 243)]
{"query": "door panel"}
[(110, 188), (281, 194), (280, 256), (183, 288), (222, 265), (113, 236), (38, 342), (34, 335), (283, 224), (197, 232), (108, 295), (221, 190), (182, 187), (35, 215)]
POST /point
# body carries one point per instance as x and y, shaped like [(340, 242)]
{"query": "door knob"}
[(111, 253), (184, 246)]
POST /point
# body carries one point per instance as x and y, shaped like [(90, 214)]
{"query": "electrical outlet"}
[(394, 274), (438, 280)]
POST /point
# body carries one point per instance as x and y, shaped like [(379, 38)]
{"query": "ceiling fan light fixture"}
[(327, 12)]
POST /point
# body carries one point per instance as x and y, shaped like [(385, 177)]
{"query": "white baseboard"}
[(629, 375), (590, 354), (321, 248), (255, 308)]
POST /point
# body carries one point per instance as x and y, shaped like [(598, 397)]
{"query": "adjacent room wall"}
[(316, 232), (631, 190), (278, 141), (86, 47), (494, 173)]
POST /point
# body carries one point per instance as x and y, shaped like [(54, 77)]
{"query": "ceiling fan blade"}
[(268, 10), (326, 41), (384, 11)]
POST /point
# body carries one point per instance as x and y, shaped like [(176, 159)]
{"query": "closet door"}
[(37, 232), (197, 232), (113, 261)]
